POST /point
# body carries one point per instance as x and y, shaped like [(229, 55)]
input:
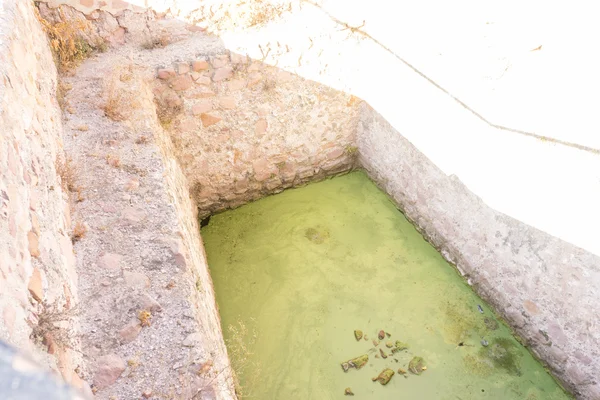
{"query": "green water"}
[(296, 273)]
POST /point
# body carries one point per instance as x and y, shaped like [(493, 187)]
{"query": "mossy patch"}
[(384, 377), (357, 362), (460, 322), (504, 354), (317, 235)]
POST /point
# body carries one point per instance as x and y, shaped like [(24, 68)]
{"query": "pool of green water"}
[(297, 273)]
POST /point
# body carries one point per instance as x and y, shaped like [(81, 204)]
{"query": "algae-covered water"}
[(297, 273)]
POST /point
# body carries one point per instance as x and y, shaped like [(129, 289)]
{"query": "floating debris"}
[(357, 362), (401, 345), (348, 392), (484, 343), (383, 355), (381, 335), (490, 323), (358, 334), (389, 344), (375, 343), (388, 334), (417, 365), (366, 337), (401, 371), (384, 377), (480, 308)]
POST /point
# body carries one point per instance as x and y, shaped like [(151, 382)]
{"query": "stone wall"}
[(545, 288), (38, 283), (244, 129)]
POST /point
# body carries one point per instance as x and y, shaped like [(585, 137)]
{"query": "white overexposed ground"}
[(482, 54)]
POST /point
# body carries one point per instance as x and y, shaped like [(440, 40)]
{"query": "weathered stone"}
[(227, 102), (238, 59), (35, 285), (202, 107), (34, 249), (182, 82), (193, 339), (136, 280), (263, 169), (261, 126), (200, 65), (219, 61), (333, 154), (208, 119), (222, 74), (236, 84), (149, 303), (531, 307), (108, 369), (201, 92), (130, 331), (133, 215), (166, 73), (110, 260), (183, 68), (203, 80)]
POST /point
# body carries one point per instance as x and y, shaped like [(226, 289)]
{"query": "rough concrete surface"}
[(149, 319), (545, 288), (37, 266)]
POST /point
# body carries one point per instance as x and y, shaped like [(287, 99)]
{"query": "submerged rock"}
[(401, 346), (357, 362), (389, 344), (348, 392), (358, 334), (381, 335), (417, 365), (375, 343), (401, 371), (383, 355), (384, 377)]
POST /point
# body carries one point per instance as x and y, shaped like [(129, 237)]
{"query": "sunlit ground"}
[(486, 55)]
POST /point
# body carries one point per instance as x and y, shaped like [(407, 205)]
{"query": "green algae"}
[(357, 362), (417, 365), (304, 268), (384, 377)]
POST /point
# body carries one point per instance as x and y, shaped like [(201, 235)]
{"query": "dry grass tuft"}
[(68, 45), (79, 231), (51, 326), (156, 42), (113, 105), (167, 110), (67, 172), (145, 316)]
